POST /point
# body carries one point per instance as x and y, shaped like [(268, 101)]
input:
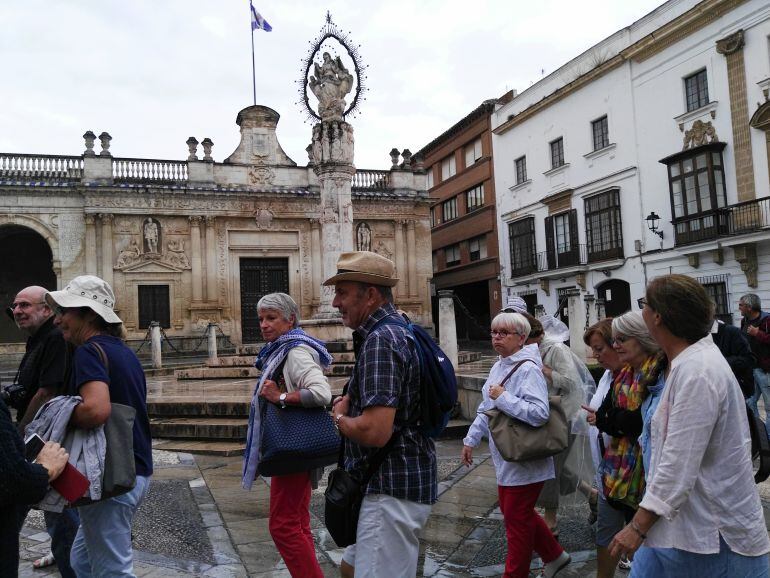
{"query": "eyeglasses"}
[(620, 339), (641, 302), (502, 333), (24, 305)]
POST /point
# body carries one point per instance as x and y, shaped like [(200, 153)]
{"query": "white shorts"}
[(388, 537)]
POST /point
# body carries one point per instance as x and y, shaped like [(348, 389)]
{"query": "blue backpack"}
[(438, 384)]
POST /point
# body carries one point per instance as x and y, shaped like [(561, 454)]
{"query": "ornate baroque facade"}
[(191, 242)]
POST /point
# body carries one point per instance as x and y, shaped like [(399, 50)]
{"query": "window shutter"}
[(550, 248), (574, 248)]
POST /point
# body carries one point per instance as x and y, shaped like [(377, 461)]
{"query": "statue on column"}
[(331, 83)]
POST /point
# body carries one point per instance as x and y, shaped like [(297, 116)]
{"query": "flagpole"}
[(253, 68)]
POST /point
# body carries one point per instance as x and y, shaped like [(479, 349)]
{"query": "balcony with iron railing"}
[(554, 260), (738, 219)]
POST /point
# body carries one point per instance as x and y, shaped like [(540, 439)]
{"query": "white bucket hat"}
[(515, 304), (87, 291)]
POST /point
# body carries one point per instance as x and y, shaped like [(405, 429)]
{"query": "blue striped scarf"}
[(268, 360)]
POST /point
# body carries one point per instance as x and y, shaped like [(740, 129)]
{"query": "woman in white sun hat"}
[(104, 371)]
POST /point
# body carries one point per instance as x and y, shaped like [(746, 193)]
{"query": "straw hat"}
[(364, 267), (87, 291)]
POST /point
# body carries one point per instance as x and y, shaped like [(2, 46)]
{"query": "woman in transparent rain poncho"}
[(568, 377)]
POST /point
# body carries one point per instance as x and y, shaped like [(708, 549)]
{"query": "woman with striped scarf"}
[(292, 365)]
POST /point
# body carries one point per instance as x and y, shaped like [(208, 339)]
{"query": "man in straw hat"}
[(380, 410)]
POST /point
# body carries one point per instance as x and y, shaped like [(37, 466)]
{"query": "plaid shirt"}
[(387, 374)]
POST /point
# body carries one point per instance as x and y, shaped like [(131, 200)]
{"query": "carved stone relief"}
[(700, 133), (72, 230), (264, 218), (261, 176)]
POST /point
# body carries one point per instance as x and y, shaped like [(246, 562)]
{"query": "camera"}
[(14, 395)]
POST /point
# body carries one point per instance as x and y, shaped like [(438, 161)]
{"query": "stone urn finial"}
[(192, 146), (105, 139), (394, 154), (207, 143), (90, 138), (407, 154), (419, 162)]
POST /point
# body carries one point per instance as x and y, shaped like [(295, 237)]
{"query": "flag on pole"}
[(258, 22)]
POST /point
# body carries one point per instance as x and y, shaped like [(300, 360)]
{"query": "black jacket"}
[(21, 485), (735, 347)]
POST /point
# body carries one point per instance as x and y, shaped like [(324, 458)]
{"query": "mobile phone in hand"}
[(32, 446)]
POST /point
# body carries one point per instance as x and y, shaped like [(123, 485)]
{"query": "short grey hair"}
[(632, 324), (752, 301), (513, 322), (282, 303)]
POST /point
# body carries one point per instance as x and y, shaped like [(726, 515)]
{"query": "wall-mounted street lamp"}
[(652, 224)]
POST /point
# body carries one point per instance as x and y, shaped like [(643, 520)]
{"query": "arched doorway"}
[(617, 297), (26, 260)]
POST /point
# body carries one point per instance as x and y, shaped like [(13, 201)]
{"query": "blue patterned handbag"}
[(296, 439)]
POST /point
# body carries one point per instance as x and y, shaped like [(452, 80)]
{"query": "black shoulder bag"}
[(344, 495)]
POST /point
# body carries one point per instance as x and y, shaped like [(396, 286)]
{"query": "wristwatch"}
[(337, 419), (282, 399)]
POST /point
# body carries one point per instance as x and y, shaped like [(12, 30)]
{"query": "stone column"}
[(316, 250), (447, 327), (400, 250), (107, 219), (211, 260), (577, 320), (212, 332), (732, 48), (332, 150), (157, 359), (90, 245), (197, 273), (411, 257)]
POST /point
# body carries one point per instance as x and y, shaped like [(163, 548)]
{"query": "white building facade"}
[(664, 118)]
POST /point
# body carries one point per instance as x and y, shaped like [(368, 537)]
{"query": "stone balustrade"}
[(22, 166), (149, 170), (368, 179)]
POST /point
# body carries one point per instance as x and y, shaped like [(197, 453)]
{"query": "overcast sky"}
[(154, 72)]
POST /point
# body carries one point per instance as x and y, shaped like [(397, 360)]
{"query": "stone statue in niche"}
[(700, 133), (129, 255), (152, 235), (330, 84), (363, 237), (176, 255)]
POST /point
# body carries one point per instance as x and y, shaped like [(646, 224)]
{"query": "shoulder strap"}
[(102, 355), (379, 457), (515, 367)]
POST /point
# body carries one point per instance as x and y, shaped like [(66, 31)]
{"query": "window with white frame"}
[(474, 199), (561, 226), (429, 178), (477, 248), (557, 153), (520, 165), (696, 90), (448, 167), (449, 209), (601, 133), (452, 255), (472, 152)]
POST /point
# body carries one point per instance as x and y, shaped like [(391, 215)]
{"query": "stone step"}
[(455, 429), (468, 356), (248, 360), (186, 407), (199, 428), (213, 448), (239, 372), (332, 346)]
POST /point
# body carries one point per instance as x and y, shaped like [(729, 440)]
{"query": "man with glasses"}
[(42, 374)]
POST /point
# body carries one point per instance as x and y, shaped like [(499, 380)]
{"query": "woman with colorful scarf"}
[(292, 365), (620, 416)]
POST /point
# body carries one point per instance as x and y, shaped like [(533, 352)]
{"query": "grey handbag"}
[(119, 464), (520, 442)]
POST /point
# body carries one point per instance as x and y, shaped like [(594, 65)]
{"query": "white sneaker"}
[(624, 563), (555, 566)]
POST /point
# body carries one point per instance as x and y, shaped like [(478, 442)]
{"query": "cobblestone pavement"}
[(197, 521)]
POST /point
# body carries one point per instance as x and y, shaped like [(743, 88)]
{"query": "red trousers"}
[(290, 524), (525, 529)]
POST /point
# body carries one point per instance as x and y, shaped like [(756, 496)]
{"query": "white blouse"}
[(525, 398), (701, 482)]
